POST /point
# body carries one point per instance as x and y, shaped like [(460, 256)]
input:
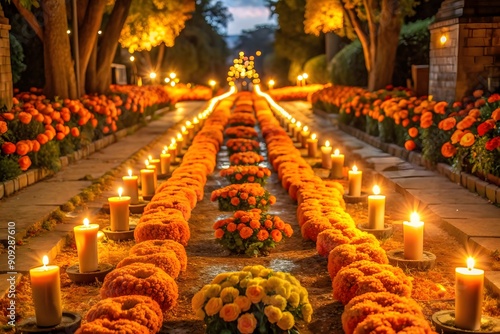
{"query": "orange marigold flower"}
[(466, 123), (276, 235), (456, 136), (440, 107), (413, 132), (246, 232), (448, 150), (238, 176), (410, 145), (262, 235), (219, 233), (235, 201), (272, 200), (251, 200), (448, 123), (255, 224), (467, 139), (243, 195)]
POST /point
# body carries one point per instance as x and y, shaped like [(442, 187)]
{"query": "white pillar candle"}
[(305, 135), (298, 136), (165, 162), (469, 284), (190, 130), (148, 182), (312, 146), (196, 124), (119, 212), (185, 133), (413, 234), (46, 292), (337, 165), (180, 143), (355, 180), (376, 209), (86, 246), (293, 127), (156, 162), (326, 155), (131, 187), (172, 149), (155, 171)]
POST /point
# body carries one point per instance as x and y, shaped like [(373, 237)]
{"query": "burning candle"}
[(292, 128), (469, 284), (413, 234), (196, 124), (130, 187), (304, 134), (376, 209), (326, 155), (355, 178), (154, 169), (190, 130), (155, 162), (119, 212), (46, 292), (298, 136), (86, 246), (337, 165), (185, 133), (172, 149), (312, 146), (148, 182), (165, 162), (180, 143)]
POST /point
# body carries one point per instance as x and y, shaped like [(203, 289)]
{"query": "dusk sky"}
[(246, 14)]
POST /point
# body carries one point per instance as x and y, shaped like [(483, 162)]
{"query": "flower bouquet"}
[(246, 174), (245, 158), (241, 132), (251, 232), (236, 145), (244, 196), (240, 118), (254, 300)]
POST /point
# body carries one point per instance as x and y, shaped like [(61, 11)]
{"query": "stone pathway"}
[(472, 220), (34, 203)]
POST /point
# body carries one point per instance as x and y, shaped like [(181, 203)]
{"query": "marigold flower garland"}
[(246, 174)]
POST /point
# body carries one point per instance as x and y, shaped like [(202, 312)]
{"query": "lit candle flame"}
[(165, 148), (376, 190), (195, 120), (327, 143), (172, 141), (188, 123), (120, 191), (354, 168), (45, 261), (414, 218), (293, 121), (129, 172), (150, 157), (86, 222), (299, 124), (183, 128), (146, 162), (313, 137), (336, 152), (163, 152), (179, 137), (306, 128), (470, 263)]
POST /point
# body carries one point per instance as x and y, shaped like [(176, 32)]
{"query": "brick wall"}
[(471, 54), (5, 67)]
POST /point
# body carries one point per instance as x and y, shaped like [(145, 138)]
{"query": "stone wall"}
[(470, 57), (5, 67)]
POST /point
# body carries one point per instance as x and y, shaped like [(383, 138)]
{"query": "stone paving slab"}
[(463, 228), (369, 153), (408, 173), (427, 183), (438, 196), (486, 244), (5, 282), (492, 281), (464, 210)]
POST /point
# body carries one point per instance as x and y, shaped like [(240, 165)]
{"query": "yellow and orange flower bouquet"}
[(246, 174), (254, 300), (243, 197), (251, 232)]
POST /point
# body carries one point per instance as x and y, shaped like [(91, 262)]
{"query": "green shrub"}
[(316, 69), (16, 58), (348, 66), (9, 168)]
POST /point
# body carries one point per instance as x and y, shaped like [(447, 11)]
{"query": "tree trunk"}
[(384, 54), (332, 45), (89, 23), (107, 47), (59, 72), (159, 58)]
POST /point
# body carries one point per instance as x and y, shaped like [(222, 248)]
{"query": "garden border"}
[(32, 176)]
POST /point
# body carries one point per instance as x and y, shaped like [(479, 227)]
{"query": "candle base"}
[(70, 322), (76, 276), (119, 235), (397, 258), (380, 234), (147, 198), (163, 176), (444, 321), (355, 199)]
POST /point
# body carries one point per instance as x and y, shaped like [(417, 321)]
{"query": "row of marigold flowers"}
[(136, 295), (465, 134), (376, 295), (37, 131)]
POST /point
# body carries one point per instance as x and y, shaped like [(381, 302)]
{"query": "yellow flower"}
[(278, 301), (294, 299), (243, 302), (229, 312), (255, 270), (284, 290), (229, 294), (307, 311), (265, 272), (286, 322), (244, 282), (198, 300), (247, 323), (213, 290), (272, 313), (213, 306), (273, 282), (234, 279), (221, 277), (200, 314), (255, 293)]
